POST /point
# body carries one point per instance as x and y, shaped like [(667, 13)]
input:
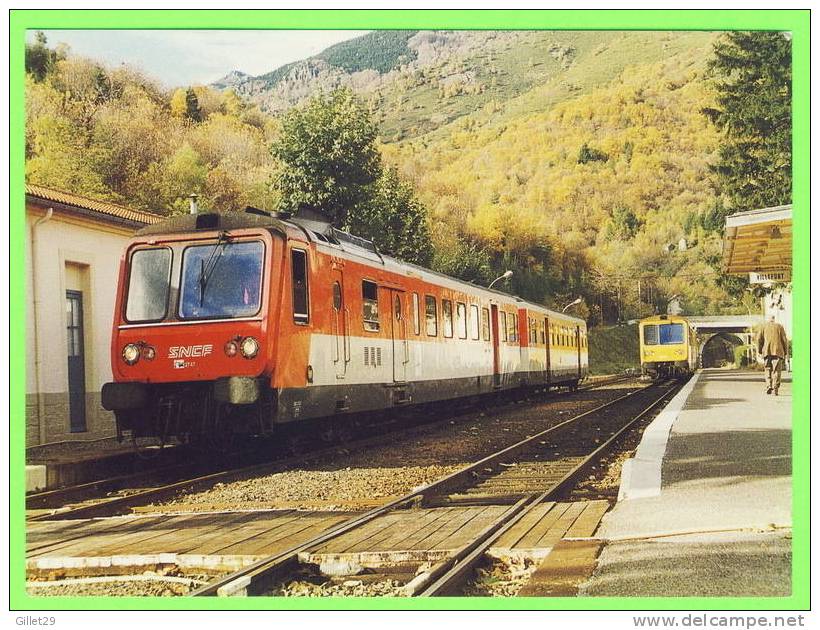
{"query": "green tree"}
[(327, 155), (394, 219), (39, 57), (192, 110), (589, 154), (752, 76)]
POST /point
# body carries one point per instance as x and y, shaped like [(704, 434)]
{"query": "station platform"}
[(705, 503)]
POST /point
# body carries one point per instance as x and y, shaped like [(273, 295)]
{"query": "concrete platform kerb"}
[(641, 474)]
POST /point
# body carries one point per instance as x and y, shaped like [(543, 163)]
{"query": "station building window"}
[(370, 305), (430, 315)]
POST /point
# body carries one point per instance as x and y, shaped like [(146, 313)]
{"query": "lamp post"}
[(573, 303), (503, 276)]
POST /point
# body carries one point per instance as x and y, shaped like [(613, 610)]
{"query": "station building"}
[(759, 243), (74, 246)]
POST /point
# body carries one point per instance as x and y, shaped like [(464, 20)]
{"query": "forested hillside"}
[(114, 134), (582, 161)]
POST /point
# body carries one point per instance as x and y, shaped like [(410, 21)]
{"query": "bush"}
[(741, 356)]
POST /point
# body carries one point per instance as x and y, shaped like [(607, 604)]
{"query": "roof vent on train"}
[(320, 225), (209, 221)]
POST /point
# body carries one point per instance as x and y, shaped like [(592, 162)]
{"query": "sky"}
[(178, 58)]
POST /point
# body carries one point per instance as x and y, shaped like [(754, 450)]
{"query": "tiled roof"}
[(103, 207)]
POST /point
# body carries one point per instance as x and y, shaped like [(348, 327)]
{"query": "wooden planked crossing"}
[(220, 540)]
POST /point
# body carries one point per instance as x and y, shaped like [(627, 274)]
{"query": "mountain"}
[(231, 80), (419, 81)]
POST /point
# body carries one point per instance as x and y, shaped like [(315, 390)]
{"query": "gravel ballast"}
[(359, 480)]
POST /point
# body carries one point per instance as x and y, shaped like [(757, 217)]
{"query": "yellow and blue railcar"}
[(668, 347)]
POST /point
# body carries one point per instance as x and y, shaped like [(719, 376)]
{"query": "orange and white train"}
[(243, 322)]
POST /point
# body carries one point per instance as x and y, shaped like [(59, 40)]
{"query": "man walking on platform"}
[(772, 345)]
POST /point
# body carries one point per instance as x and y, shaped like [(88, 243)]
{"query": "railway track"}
[(520, 477), (156, 485)]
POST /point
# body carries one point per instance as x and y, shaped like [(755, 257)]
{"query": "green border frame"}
[(796, 21)]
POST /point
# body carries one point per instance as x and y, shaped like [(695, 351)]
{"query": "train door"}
[(547, 345), (578, 348), (401, 353), (495, 336), (340, 325)]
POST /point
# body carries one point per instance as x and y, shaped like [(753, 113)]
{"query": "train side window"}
[(503, 325), (485, 324), (461, 320), (430, 315), (513, 322), (474, 326), (447, 317), (298, 264), (370, 305), (337, 296), (543, 334), (416, 315)]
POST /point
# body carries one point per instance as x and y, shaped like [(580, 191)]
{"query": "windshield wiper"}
[(206, 268)]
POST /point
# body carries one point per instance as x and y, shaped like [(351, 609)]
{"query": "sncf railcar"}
[(668, 347), (242, 322)]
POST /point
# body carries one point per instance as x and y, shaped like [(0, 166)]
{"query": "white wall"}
[(92, 250)]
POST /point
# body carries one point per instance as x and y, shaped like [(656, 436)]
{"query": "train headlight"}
[(148, 353), (131, 353), (231, 348), (249, 347)]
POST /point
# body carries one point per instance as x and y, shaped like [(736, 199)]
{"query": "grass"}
[(613, 349)]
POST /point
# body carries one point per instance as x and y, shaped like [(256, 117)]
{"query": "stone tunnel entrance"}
[(719, 350)]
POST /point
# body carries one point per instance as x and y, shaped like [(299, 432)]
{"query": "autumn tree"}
[(179, 104), (327, 155), (752, 76)]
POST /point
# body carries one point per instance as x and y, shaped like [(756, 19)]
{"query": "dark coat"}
[(771, 340)]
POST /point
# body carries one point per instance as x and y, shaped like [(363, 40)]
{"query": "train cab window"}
[(416, 315), (461, 320), (430, 316), (650, 335), (671, 333), (298, 268), (148, 285), (447, 317), (474, 326), (224, 280), (503, 326), (485, 324), (370, 305)]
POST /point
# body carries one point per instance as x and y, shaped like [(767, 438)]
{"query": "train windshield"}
[(222, 280), (665, 334), (148, 283)]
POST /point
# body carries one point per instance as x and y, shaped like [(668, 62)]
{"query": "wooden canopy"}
[(759, 241)]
